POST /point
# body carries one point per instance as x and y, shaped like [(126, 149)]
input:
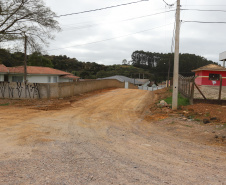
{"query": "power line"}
[(98, 9), (201, 10), (110, 38), (205, 5), (205, 22), (130, 19)]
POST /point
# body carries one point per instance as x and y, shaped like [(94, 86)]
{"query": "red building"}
[(210, 75)]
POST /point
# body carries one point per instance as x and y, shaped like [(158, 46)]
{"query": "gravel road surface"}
[(102, 139)]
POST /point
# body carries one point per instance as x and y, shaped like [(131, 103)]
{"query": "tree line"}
[(154, 66), (161, 64)]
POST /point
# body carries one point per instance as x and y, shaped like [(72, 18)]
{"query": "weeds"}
[(207, 114), (181, 100), (188, 126), (5, 104)]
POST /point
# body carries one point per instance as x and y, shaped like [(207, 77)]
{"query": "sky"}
[(111, 35)]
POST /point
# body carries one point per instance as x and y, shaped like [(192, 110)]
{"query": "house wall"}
[(203, 78), (55, 90), (1, 77), (37, 78)]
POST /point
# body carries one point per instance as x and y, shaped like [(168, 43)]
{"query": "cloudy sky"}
[(111, 35)]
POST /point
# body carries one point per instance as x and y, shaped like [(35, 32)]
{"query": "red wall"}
[(203, 78)]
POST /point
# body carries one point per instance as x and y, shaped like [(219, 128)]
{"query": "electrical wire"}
[(110, 38), (130, 19), (98, 9), (201, 10), (205, 5), (205, 22)]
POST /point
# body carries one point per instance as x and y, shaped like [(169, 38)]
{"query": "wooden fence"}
[(185, 85)]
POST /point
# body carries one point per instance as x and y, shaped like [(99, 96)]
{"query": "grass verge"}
[(5, 104), (181, 100)]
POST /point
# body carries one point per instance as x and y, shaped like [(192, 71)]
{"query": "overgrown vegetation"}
[(181, 100)]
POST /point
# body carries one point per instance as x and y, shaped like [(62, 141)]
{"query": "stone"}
[(205, 121), (213, 118), (163, 103)]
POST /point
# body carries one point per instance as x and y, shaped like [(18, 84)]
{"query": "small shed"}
[(210, 75)]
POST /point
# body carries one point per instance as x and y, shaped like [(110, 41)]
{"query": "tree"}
[(5, 58), (124, 62), (36, 59), (30, 17)]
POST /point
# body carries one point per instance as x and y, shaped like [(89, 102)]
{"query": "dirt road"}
[(104, 139)]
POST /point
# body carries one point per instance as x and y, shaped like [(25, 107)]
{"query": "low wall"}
[(56, 90)]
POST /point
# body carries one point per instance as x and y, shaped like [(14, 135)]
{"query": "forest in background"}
[(154, 66)]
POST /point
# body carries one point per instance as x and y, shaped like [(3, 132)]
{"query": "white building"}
[(35, 74)]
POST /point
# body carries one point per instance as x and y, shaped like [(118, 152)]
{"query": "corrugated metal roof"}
[(127, 79)]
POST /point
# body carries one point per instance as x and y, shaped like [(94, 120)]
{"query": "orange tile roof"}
[(37, 70), (210, 67), (3, 69), (71, 77)]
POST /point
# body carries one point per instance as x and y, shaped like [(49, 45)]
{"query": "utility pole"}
[(176, 59), (25, 58)]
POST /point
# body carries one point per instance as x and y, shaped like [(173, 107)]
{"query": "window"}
[(49, 79), (214, 76), (55, 79), (17, 78)]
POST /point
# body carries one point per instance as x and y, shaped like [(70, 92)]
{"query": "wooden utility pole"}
[(176, 59), (25, 58)]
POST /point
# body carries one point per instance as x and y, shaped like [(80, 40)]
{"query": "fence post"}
[(220, 88), (189, 86), (192, 92)]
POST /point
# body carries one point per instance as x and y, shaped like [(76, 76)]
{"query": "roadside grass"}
[(188, 126), (5, 104), (181, 100)]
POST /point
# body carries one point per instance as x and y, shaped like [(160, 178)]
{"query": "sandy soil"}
[(111, 137)]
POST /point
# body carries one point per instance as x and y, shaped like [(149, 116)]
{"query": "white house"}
[(3, 72), (35, 74)]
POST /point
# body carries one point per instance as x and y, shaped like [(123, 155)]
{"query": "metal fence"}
[(187, 85)]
